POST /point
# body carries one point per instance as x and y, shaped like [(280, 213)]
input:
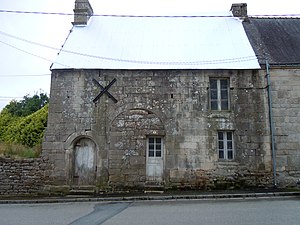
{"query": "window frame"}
[(219, 94), (157, 153), (226, 141)]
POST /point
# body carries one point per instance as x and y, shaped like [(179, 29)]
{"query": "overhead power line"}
[(35, 12), (215, 61), (19, 49), (25, 75), (29, 53), (28, 41), (8, 98), (150, 16)]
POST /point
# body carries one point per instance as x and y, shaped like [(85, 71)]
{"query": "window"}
[(219, 94), (154, 147), (225, 144)]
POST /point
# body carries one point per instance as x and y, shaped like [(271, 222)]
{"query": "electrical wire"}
[(12, 46), (150, 16), (34, 12), (32, 54), (25, 75), (8, 97), (204, 62), (28, 41)]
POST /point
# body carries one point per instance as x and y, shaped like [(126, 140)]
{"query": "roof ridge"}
[(272, 17)]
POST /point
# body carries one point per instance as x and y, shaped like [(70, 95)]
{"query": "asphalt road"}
[(187, 212)]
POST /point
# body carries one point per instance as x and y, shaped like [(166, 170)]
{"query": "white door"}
[(155, 162), (85, 162)]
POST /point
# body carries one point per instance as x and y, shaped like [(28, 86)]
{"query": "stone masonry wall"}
[(285, 84), (172, 104), (23, 176)]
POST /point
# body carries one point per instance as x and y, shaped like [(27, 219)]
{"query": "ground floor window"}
[(225, 145)]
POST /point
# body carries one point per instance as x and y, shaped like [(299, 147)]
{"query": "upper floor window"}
[(219, 93), (225, 144)]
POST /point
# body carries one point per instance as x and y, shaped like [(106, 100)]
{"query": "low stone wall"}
[(221, 180), (22, 176)]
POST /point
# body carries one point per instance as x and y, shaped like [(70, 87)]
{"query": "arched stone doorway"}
[(137, 152), (84, 162)]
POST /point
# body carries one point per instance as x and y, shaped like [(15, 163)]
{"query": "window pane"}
[(151, 146), (221, 154), (151, 140), (158, 146), (224, 105), (224, 84), (213, 94), (224, 94), (229, 145), (230, 155), (213, 83), (229, 135), (158, 153), (221, 145), (158, 140), (220, 136), (151, 153), (214, 105)]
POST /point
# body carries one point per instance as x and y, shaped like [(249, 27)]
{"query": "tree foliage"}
[(28, 130), (28, 105), (24, 122)]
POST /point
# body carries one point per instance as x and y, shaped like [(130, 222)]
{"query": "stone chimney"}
[(82, 12), (239, 10)]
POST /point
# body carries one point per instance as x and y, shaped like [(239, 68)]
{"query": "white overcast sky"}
[(52, 30)]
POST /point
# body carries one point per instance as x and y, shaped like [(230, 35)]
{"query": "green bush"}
[(22, 125), (5, 120), (28, 130)]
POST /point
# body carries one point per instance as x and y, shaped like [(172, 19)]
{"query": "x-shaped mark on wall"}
[(105, 90)]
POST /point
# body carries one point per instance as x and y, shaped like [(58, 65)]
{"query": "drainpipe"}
[(271, 124)]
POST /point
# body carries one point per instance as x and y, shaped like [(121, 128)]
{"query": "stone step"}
[(82, 190), (153, 191), (153, 188), (83, 187)]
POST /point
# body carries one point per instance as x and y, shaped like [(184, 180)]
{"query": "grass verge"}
[(19, 151)]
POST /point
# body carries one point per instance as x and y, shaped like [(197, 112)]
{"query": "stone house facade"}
[(276, 42), (167, 125)]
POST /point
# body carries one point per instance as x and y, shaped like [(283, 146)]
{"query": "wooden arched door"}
[(84, 169)]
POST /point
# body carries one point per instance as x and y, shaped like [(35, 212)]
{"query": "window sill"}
[(220, 114), (219, 111)]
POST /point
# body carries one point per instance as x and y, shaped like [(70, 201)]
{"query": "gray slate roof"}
[(275, 39)]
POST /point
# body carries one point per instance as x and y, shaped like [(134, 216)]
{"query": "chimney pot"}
[(239, 10), (82, 12)]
